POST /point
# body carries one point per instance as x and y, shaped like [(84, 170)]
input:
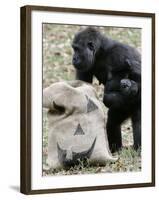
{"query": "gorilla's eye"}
[(75, 47), (91, 46)]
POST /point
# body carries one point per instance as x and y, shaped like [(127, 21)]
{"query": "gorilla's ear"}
[(91, 46)]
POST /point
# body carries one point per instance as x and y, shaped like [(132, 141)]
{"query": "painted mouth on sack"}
[(70, 158)]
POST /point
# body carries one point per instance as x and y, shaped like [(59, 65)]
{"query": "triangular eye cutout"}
[(79, 130), (91, 106)]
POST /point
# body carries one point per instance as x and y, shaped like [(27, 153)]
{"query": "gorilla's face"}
[(84, 54), (128, 87), (86, 44)]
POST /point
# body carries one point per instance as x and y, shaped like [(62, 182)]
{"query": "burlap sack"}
[(77, 125)]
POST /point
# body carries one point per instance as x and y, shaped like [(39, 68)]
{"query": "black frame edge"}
[(87, 10), (153, 100), (25, 96)]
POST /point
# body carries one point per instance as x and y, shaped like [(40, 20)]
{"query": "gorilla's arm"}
[(84, 76)]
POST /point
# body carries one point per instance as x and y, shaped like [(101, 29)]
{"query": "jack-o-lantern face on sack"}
[(77, 121)]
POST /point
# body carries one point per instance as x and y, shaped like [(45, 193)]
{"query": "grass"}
[(57, 57)]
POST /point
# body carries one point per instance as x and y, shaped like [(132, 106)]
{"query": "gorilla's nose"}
[(75, 61)]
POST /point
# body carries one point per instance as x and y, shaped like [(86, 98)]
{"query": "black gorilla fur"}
[(118, 67)]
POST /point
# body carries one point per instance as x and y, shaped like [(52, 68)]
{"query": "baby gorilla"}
[(118, 92), (122, 97)]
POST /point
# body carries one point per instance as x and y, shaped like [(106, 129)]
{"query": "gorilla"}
[(118, 67), (127, 93)]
